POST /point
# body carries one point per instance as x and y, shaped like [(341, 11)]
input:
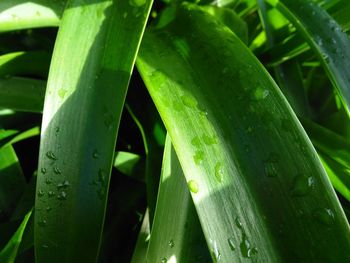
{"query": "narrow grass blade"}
[(325, 37), (176, 234), (23, 14), (22, 94), (21, 63), (12, 182), (141, 247), (234, 132), (89, 74), (35, 131), (9, 253)]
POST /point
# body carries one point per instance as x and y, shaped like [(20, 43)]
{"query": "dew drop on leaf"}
[(196, 142), (210, 140), (325, 216), (62, 196), (260, 93), (219, 171), (238, 223), (193, 186), (164, 260), (137, 3), (171, 243), (62, 93), (231, 244), (302, 185), (41, 193), (270, 165), (51, 155), (214, 249), (189, 101), (95, 154), (57, 170), (43, 170), (245, 246), (198, 157)]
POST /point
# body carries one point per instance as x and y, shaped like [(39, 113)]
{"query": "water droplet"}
[(198, 157), (45, 246), (171, 243), (270, 165), (102, 176), (42, 222), (196, 142), (51, 193), (64, 184), (193, 186), (252, 252), (41, 193), (57, 170), (189, 101), (238, 223), (51, 155), (137, 3), (215, 250), (210, 140), (62, 93), (43, 170), (260, 93), (95, 154), (48, 181), (57, 130), (231, 244), (302, 185), (164, 260), (219, 171), (108, 121), (62, 196), (245, 246), (325, 216)]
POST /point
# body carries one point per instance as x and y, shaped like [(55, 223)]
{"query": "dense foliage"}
[(227, 142)]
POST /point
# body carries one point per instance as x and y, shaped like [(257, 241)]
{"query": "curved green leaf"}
[(92, 62), (233, 132), (22, 94), (170, 238), (9, 253), (325, 37), (23, 14)]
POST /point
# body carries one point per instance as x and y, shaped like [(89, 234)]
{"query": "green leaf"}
[(23, 14), (129, 164), (9, 252), (22, 94), (92, 62), (175, 215), (12, 181), (21, 63), (254, 176), (325, 37)]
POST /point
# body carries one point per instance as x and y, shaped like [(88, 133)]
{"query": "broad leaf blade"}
[(91, 66), (175, 215), (247, 160)]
